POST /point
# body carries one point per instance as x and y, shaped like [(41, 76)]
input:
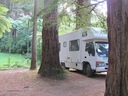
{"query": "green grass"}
[(8, 61)]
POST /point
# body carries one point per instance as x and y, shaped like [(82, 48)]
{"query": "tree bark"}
[(50, 65), (33, 59), (116, 82)]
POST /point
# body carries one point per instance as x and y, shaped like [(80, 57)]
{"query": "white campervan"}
[(85, 50)]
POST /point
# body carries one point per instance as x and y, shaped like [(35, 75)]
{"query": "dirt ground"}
[(28, 83)]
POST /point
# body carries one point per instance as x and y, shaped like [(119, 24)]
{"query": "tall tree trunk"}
[(50, 65), (33, 59), (117, 78), (10, 45), (82, 14)]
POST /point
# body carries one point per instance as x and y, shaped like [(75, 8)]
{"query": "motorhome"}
[(85, 49)]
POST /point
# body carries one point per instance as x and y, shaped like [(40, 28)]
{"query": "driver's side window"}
[(90, 48)]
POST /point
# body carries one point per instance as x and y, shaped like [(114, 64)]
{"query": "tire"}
[(84, 69), (87, 70)]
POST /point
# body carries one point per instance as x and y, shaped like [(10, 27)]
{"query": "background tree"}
[(33, 59), (116, 84), (50, 65), (66, 16), (17, 8), (83, 14), (75, 14), (98, 18)]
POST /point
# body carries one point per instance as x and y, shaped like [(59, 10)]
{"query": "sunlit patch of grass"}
[(13, 61)]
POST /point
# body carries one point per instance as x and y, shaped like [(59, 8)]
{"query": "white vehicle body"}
[(79, 50)]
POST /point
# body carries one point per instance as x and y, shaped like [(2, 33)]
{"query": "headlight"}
[(100, 64)]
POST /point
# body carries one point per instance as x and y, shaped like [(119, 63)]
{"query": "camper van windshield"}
[(102, 49)]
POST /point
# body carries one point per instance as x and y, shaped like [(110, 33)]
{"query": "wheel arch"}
[(85, 63)]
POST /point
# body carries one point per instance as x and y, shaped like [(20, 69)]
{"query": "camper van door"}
[(89, 53)]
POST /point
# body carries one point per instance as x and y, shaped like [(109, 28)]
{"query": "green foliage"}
[(72, 15), (99, 20), (5, 24), (3, 11), (99, 15), (66, 16), (66, 26), (19, 40)]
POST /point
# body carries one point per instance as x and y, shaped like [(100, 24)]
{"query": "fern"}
[(5, 23)]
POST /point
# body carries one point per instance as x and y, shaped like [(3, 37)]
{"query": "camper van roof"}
[(94, 33), (89, 33)]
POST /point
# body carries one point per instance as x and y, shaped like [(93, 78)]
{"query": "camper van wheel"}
[(88, 70)]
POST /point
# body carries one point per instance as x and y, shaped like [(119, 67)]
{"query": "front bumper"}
[(102, 69)]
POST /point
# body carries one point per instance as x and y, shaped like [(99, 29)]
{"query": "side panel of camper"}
[(70, 49)]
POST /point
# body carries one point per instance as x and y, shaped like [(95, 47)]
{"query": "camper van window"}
[(90, 48), (102, 49), (74, 45), (65, 44)]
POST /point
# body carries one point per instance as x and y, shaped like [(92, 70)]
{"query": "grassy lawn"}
[(13, 61)]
